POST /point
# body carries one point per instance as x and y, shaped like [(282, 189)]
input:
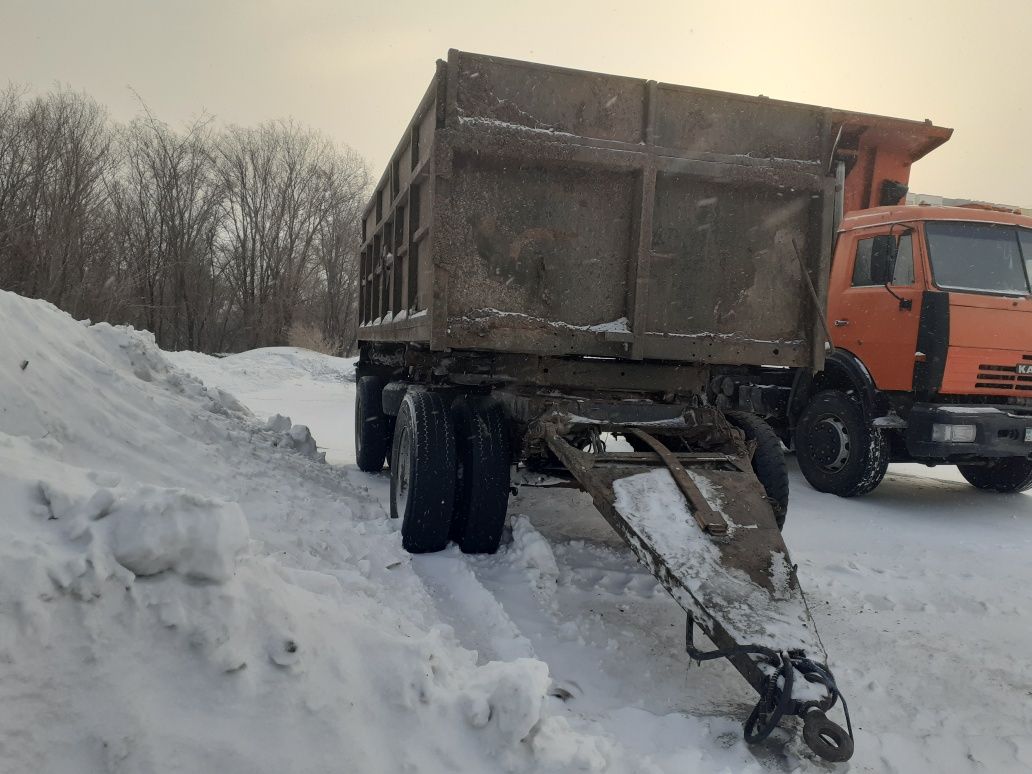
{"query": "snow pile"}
[(274, 377), (184, 589), (239, 372)]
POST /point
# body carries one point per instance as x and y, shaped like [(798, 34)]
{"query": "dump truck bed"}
[(540, 210)]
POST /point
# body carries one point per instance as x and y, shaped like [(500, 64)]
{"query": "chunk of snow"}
[(158, 530), (278, 423)]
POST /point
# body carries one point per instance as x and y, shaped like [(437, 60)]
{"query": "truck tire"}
[(372, 427), (423, 472), (482, 476), (838, 450), (1010, 474), (768, 460)]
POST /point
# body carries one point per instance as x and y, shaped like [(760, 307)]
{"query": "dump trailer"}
[(928, 321), (554, 259)]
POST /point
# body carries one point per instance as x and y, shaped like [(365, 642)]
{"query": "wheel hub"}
[(830, 444), (404, 473)]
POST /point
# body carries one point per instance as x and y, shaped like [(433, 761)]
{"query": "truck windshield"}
[(980, 257)]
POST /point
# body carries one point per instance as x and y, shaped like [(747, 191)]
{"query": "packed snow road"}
[(186, 586), (920, 592)]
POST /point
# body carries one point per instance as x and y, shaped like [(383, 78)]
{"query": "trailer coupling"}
[(693, 512), (824, 736)]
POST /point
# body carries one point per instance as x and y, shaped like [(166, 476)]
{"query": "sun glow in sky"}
[(356, 70)]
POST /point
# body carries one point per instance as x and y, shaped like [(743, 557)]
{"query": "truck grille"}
[(1003, 377)]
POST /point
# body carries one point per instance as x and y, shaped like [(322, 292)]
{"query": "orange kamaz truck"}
[(929, 317)]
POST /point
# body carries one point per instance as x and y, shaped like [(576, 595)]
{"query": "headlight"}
[(953, 433)]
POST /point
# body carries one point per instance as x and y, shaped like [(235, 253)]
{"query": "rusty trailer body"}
[(546, 211), (554, 259)]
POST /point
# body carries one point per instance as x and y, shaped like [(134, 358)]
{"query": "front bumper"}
[(1000, 431)]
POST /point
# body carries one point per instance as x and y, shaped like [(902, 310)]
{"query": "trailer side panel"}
[(562, 212)]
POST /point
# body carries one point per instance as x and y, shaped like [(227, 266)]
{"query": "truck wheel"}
[(768, 460), (837, 448), (482, 488), (423, 472), (372, 427), (1010, 474)]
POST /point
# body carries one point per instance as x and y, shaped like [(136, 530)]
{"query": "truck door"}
[(875, 302)]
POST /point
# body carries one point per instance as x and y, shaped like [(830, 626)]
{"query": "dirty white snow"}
[(184, 589)]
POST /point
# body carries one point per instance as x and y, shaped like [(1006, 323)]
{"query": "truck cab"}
[(929, 321), (936, 300), (930, 313)]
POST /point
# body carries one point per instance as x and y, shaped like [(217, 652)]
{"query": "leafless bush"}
[(308, 336)]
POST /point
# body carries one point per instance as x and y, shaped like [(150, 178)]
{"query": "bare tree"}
[(337, 251), (56, 155), (288, 191), (168, 205), (15, 171), (214, 240)]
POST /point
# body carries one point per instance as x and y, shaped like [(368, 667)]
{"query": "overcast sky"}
[(355, 70)]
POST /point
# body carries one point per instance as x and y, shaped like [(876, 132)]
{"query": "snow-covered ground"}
[(184, 586)]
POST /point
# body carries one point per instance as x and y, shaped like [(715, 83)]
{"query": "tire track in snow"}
[(474, 613)]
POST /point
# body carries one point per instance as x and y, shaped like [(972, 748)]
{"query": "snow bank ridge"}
[(184, 588)]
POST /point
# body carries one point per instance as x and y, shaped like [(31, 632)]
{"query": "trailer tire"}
[(838, 449), (482, 475), (1010, 474), (372, 427), (423, 472), (768, 460)]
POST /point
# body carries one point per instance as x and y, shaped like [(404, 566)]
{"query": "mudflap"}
[(700, 522)]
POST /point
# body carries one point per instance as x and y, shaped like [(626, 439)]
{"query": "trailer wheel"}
[(1010, 474), (838, 450), (423, 472), (768, 460), (372, 427), (482, 477)]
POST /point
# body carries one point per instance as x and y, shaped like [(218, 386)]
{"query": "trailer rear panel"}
[(539, 210)]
